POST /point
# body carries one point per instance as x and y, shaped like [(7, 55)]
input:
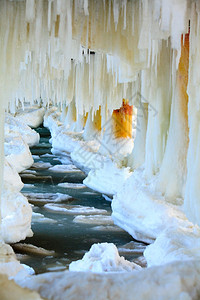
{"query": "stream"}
[(67, 229)]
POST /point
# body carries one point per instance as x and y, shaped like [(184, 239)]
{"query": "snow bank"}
[(31, 116), (14, 127), (138, 209), (9, 264), (16, 211), (174, 244), (16, 216), (175, 281), (17, 153), (107, 179), (103, 257)]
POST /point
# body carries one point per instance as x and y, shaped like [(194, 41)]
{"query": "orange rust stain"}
[(57, 24), (85, 119), (122, 120), (97, 119), (182, 79)]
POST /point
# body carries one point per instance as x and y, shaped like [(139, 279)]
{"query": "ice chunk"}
[(103, 257)]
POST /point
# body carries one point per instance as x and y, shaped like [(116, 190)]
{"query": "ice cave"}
[(99, 149)]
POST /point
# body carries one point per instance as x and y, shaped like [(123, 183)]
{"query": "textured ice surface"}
[(72, 185), (75, 209), (94, 219), (47, 197), (40, 218), (64, 168), (103, 257), (28, 248)]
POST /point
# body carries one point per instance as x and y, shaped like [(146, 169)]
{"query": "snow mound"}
[(31, 116), (101, 180), (103, 257)]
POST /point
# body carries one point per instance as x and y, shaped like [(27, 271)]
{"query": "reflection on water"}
[(67, 237)]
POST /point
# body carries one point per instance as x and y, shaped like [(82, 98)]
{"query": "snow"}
[(13, 289), (143, 212), (98, 179), (14, 127), (31, 116), (9, 264), (17, 153), (172, 281), (174, 244), (16, 211), (143, 39), (103, 257)]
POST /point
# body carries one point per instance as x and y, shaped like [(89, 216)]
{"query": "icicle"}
[(30, 10)]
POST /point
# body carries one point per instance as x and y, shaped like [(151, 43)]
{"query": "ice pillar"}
[(173, 170), (122, 121), (2, 116)]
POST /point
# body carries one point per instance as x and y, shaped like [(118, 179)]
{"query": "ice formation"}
[(103, 257), (84, 57)]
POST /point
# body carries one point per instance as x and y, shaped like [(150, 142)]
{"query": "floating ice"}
[(41, 165), (31, 249), (64, 168), (47, 197), (72, 185), (35, 156), (75, 209), (107, 228), (40, 218), (95, 219)]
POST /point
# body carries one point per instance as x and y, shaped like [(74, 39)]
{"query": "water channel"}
[(68, 235)]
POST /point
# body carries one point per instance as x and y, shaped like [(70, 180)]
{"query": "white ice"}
[(64, 168), (103, 257), (72, 185), (75, 209), (94, 219)]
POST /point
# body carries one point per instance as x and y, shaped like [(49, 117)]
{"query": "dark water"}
[(68, 239)]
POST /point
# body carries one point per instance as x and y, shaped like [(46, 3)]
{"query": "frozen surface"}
[(143, 212), (103, 257), (41, 165), (107, 179), (31, 116), (64, 168), (28, 248), (40, 218), (14, 127), (17, 153), (75, 209), (72, 185), (174, 281), (94, 219), (16, 211), (47, 197)]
